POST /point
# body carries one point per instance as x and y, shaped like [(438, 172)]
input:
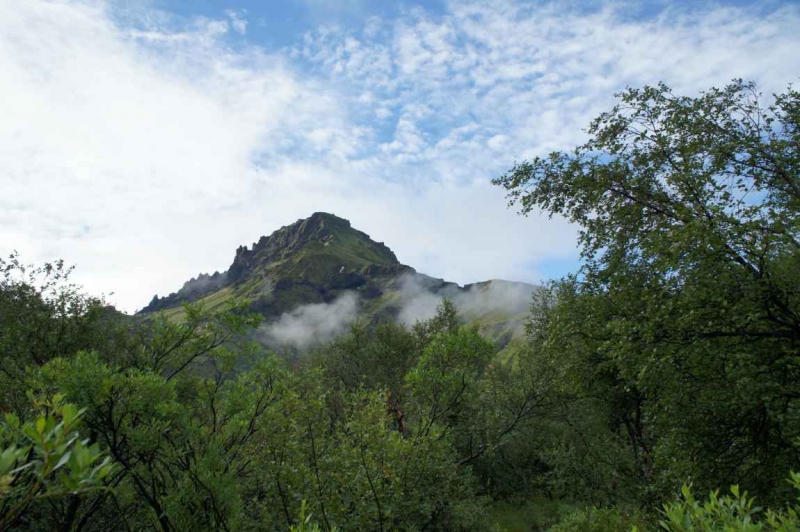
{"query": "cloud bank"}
[(313, 324), (418, 302), (318, 323), (145, 147)]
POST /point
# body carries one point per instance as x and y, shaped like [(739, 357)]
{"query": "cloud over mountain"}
[(140, 144), (312, 324)]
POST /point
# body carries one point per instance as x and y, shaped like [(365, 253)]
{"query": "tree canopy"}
[(686, 312)]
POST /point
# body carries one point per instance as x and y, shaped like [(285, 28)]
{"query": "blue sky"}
[(144, 141), (277, 23)]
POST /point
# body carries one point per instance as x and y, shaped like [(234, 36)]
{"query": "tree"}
[(686, 313), (174, 419), (44, 315), (728, 513), (46, 459)]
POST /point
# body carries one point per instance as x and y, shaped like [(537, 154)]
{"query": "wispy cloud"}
[(420, 297), (238, 21), (517, 79), (146, 147), (313, 324)]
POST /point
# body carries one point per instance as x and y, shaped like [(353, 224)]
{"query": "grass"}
[(214, 301)]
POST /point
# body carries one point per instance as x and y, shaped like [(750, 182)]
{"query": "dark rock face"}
[(319, 229), (370, 292), (347, 281), (375, 270), (242, 263)]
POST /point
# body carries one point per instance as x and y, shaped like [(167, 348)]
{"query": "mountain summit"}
[(322, 248), (322, 269), (311, 260)]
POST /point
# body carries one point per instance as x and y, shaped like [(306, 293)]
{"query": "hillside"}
[(315, 277)]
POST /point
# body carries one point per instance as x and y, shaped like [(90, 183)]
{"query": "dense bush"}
[(601, 520), (728, 513)]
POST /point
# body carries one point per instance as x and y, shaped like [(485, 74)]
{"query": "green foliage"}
[(46, 458), (445, 374), (681, 330), (356, 441), (305, 523), (199, 444), (44, 315), (362, 474), (179, 439), (601, 520), (376, 360), (735, 512), (728, 513), (528, 515)]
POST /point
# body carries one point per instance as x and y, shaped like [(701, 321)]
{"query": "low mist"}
[(420, 295), (418, 302), (313, 324)]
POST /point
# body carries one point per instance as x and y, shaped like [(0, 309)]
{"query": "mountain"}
[(313, 278)]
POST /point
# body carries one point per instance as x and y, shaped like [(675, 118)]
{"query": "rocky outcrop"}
[(322, 252), (320, 229), (191, 290)]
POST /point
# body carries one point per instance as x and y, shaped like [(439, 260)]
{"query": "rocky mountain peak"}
[(321, 234), (322, 250)]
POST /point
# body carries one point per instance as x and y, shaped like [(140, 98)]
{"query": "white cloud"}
[(418, 303), (539, 72), (145, 149), (122, 150), (238, 21), (312, 324)]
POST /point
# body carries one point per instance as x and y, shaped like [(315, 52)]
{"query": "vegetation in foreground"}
[(666, 368)]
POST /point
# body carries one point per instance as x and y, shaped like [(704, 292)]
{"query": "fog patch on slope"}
[(417, 301), (313, 324), (419, 298)]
